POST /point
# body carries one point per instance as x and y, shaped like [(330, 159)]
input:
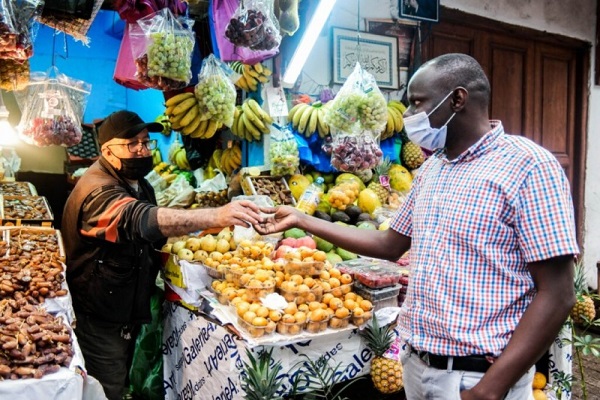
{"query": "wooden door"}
[(538, 84)]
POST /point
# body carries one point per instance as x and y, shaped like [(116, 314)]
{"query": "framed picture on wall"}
[(377, 54), (403, 30), (421, 10)]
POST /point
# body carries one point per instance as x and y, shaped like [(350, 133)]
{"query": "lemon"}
[(539, 395)]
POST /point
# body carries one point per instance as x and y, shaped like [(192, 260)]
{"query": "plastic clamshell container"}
[(360, 320), (339, 323), (255, 293), (371, 272), (300, 297), (234, 275), (340, 291), (317, 326), (304, 267), (210, 271), (290, 328), (386, 297), (253, 330)]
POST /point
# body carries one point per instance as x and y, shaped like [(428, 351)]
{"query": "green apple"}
[(166, 248), (200, 255), (185, 254), (192, 244), (180, 244)]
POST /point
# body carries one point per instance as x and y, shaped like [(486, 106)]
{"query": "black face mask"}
[(135, 168)]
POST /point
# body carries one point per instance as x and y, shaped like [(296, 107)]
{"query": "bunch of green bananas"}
[(309, 118), (250, 121)]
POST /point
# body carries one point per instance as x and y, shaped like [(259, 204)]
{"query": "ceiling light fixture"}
[(312, 31)]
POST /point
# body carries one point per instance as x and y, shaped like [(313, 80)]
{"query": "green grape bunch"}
[(216, 97), (373, 112), (170, 56), (343, 112), (284, 157)]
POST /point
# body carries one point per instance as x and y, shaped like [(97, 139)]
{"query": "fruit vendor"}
[(490, 226), (110, 225)]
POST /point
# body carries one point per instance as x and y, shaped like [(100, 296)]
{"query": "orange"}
[(539, 380), (345, 278), (262, 311), (342, 312), (366, 305), (249, 316), (320, 256), (275, 315), (539, 395)]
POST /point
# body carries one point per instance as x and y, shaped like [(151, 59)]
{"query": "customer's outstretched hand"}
[(281, 219), (243, 213)]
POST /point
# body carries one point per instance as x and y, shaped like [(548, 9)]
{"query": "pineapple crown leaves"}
[(383, 167), (580, 283), (260, 379), (378, 338)]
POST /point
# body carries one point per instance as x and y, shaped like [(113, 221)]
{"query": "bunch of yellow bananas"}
[(395, 122), (231, 159), (250, 121), (213, 164), (156, 157), (180, 159), (308, 118), (251, 75), (184, 114)]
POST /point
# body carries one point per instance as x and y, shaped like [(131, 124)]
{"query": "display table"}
[(203, 359)]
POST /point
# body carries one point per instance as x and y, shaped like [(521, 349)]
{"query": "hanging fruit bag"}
[(49, 111), (283, 152), (215, 91), (162, 50), (16, 18), (253, 25)]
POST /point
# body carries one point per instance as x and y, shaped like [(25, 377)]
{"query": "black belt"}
[(476, 363)]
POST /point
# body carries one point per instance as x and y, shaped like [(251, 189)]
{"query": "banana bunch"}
[(156, 157), (160, 167), (309, 118), (185, 117), (395, 122), (178, 156), (214, 163), (251, 75), (250, 121), (163, 119), (231, 159)]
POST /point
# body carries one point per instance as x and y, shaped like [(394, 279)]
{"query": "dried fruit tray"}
[(25, 210), (275, 187), (17, 189), (31, 238)]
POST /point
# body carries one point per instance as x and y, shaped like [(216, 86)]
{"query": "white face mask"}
[(419, 130)]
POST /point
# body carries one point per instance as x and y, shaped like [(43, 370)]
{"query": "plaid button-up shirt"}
[(475, 223)]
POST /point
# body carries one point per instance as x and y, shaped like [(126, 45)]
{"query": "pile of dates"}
[(276, 189), (33, 342), (355, 153), (30, 207), (15, 189), (252, 29), (60, 130), (212, 199)]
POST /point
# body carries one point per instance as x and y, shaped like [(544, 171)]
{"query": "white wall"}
[(568, 18)]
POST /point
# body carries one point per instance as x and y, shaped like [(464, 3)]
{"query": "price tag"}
[(276, 103)]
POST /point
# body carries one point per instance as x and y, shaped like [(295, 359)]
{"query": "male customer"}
[(490, 225), (110, 224)]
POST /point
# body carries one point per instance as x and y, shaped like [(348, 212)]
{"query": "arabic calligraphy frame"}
[(385, 48)]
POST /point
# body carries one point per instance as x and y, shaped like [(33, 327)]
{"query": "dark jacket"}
[(109, 230)]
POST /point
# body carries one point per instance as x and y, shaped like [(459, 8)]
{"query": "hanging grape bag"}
[(283, 152), (162, 49), (16, 19), (48, 116), (357, 116), (215, 91), (253, 25)]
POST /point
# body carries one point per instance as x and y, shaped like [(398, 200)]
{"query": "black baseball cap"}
[(124, 125)]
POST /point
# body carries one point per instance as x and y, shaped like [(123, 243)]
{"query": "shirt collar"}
[(481, 147)]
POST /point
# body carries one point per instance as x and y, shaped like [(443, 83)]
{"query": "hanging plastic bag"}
[(254, 26), (49, 116), (163, 50), (283, 152), (215, 92), (16, 18), (354, 153), (132, 10), (219, 14), (14, 74)]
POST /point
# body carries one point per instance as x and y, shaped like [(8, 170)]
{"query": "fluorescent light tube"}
[(312, 31)]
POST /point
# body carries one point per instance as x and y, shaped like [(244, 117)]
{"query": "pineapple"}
[(584, 310), (412, 155), (259, 380), (381, 170), (386, 373)]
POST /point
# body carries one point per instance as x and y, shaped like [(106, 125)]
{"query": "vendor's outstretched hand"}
[(282, 218), (241, 213)]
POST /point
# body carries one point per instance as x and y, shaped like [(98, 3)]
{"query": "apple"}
[(185, 254), (292, 242), (200, 255), (282, 251), (166, 248), (306, 241), (177, 246), (192, 244)]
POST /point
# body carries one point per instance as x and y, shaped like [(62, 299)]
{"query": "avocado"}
[(345, 254), (353, 212), (322, 215), (323, 244), (341, 223), (340, 216), (363, 217), (334, 258), (295, 233)]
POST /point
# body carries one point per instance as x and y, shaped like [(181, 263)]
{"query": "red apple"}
[(306, 241), (292, 242)]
